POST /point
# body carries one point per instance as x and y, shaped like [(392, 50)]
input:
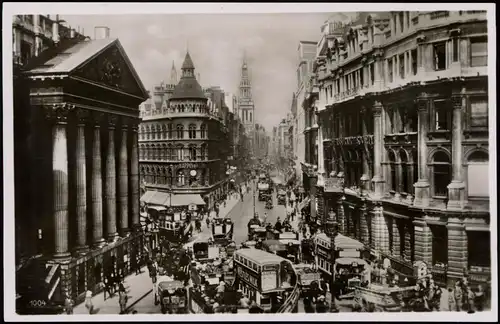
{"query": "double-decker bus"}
[(263, 277)]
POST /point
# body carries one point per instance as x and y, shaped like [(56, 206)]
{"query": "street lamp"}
[(332, 230)]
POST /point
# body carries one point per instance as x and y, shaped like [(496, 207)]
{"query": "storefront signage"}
[(191, 165), (353, 140), (349, 254), (333, 184), (247, 277)]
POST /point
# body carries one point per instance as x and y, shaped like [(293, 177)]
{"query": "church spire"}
[(173, 74), (245, 84), (187, 67)]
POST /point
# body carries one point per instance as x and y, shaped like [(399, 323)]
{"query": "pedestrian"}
[(88, 302), (68, 304), (122, 298), (458, 296), (470, 300), (479, 300), (108, 288)]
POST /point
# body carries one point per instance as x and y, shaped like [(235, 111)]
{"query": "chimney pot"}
[(101, 32)]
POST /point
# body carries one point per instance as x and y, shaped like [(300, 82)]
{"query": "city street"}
[(243, 212)]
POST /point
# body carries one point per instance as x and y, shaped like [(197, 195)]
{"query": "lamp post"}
[(331, 230)]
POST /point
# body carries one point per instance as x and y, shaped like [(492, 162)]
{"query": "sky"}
[(216, 44)]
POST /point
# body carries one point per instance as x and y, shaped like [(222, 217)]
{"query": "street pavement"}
[(243, 212), (138, 287)]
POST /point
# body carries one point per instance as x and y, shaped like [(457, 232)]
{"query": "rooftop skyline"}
[(270, 42)]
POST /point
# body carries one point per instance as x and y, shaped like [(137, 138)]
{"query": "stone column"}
[(380, 235), (110, 191), (81, 182), (457, 248), (456, 189), (378, 71), (423, 242), (365, 178), (341, 215), (407, 239), (58, 116), (123, 182), (321, 157), (378, 147), (134, 178), (365, 236), (422, 191), (396, 239), (96, 180)]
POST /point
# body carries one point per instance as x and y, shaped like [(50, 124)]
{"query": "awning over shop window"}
[(155, 198), (187, 199), (157, 208)]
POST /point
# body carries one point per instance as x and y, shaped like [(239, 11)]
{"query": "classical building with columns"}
[(76, 165), (182, 146), (402, 101)]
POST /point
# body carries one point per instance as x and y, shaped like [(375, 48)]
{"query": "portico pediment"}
[(111, 68)]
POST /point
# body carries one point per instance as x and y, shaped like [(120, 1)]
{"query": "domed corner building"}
[(182, 159)]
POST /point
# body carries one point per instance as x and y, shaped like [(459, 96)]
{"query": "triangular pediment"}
[(111, 68)]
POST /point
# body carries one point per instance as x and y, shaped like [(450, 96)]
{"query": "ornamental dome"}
[(188, 87)]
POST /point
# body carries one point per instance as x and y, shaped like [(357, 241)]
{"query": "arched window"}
[(163, 131), (169, 177), (404, 172), (153, 132), (180, 153), (203, 131), (141, 152), (392, 171), (170, 131), (192, 131), (180, 131), (414, 158), (143, 132), (169, 152), (478, 175), (203, 152), (192, 153), (163, 152), (148, 134), (181, 108), (441, 173), (181, 178)]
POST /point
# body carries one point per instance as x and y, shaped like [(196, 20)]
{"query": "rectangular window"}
[(479, 111), (441, 114), (454, 45), (401, 60), (403, 115), (479, 51), (477, 176), (346, 82), (372, 73), (390, 70), (361, 77), (441, 179), (478, 248), (354, 79), (414, 61), (401, 21), (338, 85), (439, 56), (250, 116)]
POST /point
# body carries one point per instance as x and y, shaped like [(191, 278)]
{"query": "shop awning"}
[(155, 198), (157, 208), (187, 199)]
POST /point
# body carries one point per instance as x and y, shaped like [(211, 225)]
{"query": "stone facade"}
[(403, 114), (77, 202)]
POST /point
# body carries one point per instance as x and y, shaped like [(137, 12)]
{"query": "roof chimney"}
[(101, 32), (55, 30)]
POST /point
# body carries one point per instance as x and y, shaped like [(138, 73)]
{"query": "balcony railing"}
[(439, 14)]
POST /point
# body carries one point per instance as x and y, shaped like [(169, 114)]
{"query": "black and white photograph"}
[(178, 160)]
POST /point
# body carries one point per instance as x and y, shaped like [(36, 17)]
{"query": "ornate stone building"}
[(402, 100), (76, 166), (181, 150)]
